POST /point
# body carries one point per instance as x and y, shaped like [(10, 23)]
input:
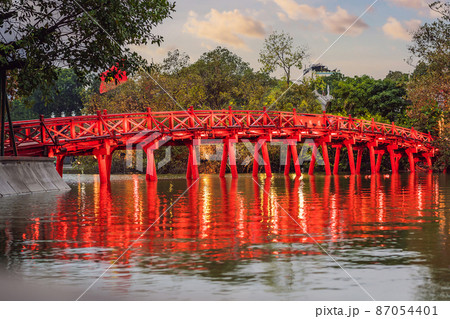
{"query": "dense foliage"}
[(429, 88), (39, 37), (365, 97), (63, 98)]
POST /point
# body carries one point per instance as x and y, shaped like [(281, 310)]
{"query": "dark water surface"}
[(231, 239)]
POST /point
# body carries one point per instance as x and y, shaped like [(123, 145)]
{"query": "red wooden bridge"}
[(101, 134)]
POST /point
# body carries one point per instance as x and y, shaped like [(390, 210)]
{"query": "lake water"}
[(310, 238)]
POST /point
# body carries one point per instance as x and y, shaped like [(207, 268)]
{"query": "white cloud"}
[(340, 20), (334, 22), (297, 11), (397, 30), (420, 5), (416, 4), (225, 27), (282, 17)]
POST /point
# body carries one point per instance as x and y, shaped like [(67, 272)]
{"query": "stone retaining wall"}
[(25, 175)]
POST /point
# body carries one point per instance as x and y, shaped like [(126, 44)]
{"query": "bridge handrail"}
[(101, 124)]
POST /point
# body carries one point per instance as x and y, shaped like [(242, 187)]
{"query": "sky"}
[(330, 29)]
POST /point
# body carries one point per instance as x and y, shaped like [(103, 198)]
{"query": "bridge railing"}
[(52, 131)]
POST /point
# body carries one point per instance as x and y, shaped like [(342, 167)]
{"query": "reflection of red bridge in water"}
[(102, 134), (227, 224)]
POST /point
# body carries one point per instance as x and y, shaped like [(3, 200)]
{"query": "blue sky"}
[(375, 44)]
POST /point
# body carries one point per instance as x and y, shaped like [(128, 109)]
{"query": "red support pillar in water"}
[(261, 144), (313, 160), (256, 159), (223, 164), (394, 158), (151, 166), (351, 159), (326, 158), (379, 159), (104, 167), (397, 160), (412, 164), (292, 152), (104, 158), (373, 167), (287, 163), (229, 151), (358, 160), (59, 164), (336, 159), (192, 170), (189, 167), (149, 150), (265, 154), (108, 160), (232, 157), (428, 162)]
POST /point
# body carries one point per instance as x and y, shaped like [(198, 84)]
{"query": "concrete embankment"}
[(25, 175)]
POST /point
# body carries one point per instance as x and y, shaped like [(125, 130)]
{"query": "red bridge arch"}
[(103, 133)]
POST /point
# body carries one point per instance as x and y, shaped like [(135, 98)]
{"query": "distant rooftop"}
[(318, 69)]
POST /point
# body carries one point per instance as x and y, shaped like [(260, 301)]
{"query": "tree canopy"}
[(366, 97), (279, 52), (38, 37), (429, 88), (65, 97)]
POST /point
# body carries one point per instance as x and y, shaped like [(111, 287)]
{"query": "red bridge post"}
[(395, 158), (291, 152), (150, 173), (313, 159), (104, 166), (192, 169), (427, 157), (336, 159), (371, 147), (326, 158), (256, 159), (358, 159), (59, 164), (261, 144), (265, 154), (348, 144), (412, 164), (380, 154), (103, 153), (149, 149), (229, 151)]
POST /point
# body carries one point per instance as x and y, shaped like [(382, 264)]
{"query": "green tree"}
[(397, 76), (366, 97), (330, 81), (38, 37), (299, 96), (219, 71), (63, 97), (218, 79), (252, 90), (429, 87), (175, 62), (279, 52), (87, 36)]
